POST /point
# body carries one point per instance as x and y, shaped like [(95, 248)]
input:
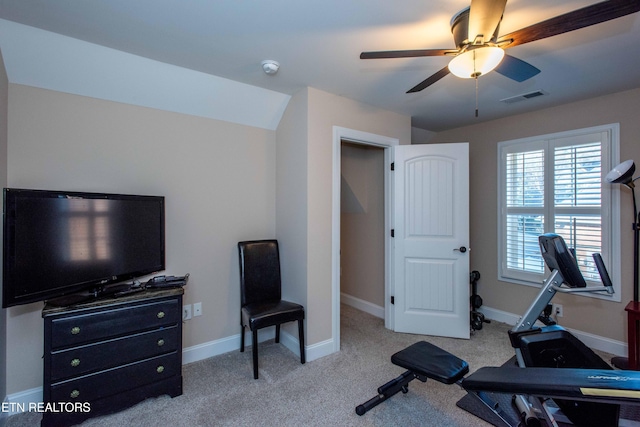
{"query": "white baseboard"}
[(232, 343), (362, 305), (597, 342), (19, 402)]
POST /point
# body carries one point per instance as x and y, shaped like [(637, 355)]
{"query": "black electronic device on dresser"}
[(106, 355), (75, 244)]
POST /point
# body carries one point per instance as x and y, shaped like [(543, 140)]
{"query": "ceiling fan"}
[(480, 49)]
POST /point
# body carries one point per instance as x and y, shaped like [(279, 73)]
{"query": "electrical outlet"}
[(557, 310), (197, 309), (186, 312)]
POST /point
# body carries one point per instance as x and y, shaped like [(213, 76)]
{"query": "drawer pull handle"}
[(75, 330), (74, 394), (75, 362), (160, 369), (160, 342), (160, 314)]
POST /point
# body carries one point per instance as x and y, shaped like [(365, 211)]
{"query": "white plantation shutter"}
[(554, 184), (525, 209), (578, 201)]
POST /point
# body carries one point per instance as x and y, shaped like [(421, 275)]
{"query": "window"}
[(89, 237), (554, 183)]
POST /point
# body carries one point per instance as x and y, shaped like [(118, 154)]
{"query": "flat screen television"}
[(61, 243)]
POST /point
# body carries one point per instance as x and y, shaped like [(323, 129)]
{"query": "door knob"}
[(462, 249)]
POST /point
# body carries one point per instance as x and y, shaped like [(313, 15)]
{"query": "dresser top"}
[(51, 309)]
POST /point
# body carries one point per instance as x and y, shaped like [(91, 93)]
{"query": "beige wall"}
[(218, 179), (362, 223), (326, 111), (291, 202), (309, 120), (590, 315)]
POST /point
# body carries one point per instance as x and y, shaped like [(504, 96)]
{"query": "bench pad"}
[(431, 361), (583, 384)]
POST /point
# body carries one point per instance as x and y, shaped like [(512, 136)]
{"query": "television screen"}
[(57, 243)]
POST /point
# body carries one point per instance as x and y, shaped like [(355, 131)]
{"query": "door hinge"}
[(393, 233), (393, 300), (393, 166)]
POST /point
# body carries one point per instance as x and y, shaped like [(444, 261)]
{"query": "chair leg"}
[(254, 352), (241, 338), (277, 333), (301, 339)]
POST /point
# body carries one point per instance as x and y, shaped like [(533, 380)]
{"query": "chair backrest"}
[(259, 271)]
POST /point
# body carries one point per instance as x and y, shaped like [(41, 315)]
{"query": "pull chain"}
[(475, 76), (476, 96)]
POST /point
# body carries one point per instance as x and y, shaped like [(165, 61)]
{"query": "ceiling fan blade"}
[(516, 69), (581, 18), (429, 81), (405, 53), (484, 18)]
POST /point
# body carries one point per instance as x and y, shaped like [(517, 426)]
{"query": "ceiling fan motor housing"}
[(460, 29)]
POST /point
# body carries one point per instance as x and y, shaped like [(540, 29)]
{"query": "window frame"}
[(609, 207)]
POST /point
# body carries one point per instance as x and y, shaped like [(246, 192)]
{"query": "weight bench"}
[(422, 360)]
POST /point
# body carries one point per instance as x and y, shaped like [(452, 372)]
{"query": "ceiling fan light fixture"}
[(476, 62)]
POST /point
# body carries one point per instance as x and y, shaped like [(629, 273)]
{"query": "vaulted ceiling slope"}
[(39, 58), (317, 44)]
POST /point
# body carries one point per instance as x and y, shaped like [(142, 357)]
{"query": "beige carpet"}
[(221, 391)]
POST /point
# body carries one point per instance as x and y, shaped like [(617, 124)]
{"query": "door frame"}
[(387, 143)]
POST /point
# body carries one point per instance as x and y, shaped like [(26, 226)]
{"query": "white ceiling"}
[(318, 44)]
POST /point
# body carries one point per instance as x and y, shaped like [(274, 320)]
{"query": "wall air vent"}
[(524, 96)]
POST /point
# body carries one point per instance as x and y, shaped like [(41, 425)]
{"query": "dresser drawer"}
[(80, 360), (97, 325), (113, 381)]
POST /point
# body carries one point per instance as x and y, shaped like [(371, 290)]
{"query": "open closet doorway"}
[(456, 159), (362, 227), (386, 144)]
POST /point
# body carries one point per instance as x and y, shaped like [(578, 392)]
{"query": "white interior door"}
[(431, 243)]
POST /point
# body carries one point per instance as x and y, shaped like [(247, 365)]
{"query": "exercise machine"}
[(553, 375)]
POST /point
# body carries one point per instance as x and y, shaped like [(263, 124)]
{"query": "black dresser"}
[(104, 356)]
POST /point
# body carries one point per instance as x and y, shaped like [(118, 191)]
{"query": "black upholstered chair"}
[(261, 298)]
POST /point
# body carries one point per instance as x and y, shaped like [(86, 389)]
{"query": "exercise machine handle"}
[(604, 274)]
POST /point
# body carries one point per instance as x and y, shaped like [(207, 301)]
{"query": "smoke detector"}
[(270, 66)]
